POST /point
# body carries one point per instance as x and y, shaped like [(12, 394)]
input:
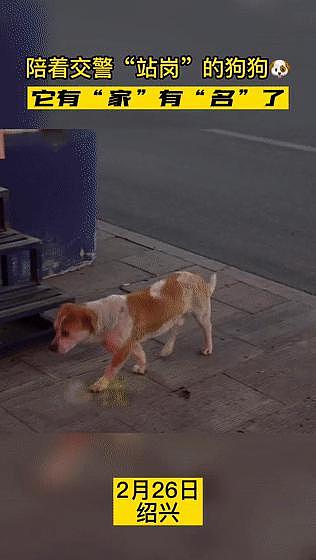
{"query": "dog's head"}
[(73, 324), (279, 68)]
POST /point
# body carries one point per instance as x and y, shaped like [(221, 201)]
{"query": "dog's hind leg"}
[(169, 345), (203, 317)]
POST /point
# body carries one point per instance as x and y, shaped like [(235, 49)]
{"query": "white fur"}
[(112, 313), (155, 289)]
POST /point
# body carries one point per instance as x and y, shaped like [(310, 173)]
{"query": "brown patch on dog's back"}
[(150, 313)]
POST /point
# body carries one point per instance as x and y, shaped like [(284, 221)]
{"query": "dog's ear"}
[(62, 312), (90, 320), (287, 65), (66, 308)]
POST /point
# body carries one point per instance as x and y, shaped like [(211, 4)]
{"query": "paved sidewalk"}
[(260, 378)]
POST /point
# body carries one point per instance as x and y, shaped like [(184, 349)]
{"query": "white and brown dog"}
[(122, 322)]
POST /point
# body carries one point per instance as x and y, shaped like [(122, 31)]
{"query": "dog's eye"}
[(64, 333)]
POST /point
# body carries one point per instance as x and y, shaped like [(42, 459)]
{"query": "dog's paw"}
[(139, 369), (99, 385), (206, 351), (166, 351)]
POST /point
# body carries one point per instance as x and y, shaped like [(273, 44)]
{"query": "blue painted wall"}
[(52, 184)]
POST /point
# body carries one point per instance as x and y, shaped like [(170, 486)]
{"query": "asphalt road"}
[(246, 203)]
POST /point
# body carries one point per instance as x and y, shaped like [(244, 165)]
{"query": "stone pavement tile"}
[(216, 404), (223, 313), (163, 415), (193, 258), (247, 297), (276, 327), (299, 418), (186, 366), (191, 334), (117, 248), (222, 281), (53, 408), (286, 374), (102, 226), (61, 366), (80, 360), (103, 235), (161, 246), (96, 281), (287, 292), (131, 236), (137, 286), (131, 394), (156, 262), (104, 423), (134, 387), (16, 376), (68, 405), (9, 424), (266, 319)]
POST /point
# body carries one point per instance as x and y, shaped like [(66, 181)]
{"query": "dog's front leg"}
[(140, 356), (118, 360)]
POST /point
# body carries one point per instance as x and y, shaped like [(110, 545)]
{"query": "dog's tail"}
[(212, 283)]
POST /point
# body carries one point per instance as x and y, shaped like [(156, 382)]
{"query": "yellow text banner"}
[(157, 501), (116, 98)]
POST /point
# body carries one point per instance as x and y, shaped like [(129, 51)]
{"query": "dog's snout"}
[(53, 346)]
